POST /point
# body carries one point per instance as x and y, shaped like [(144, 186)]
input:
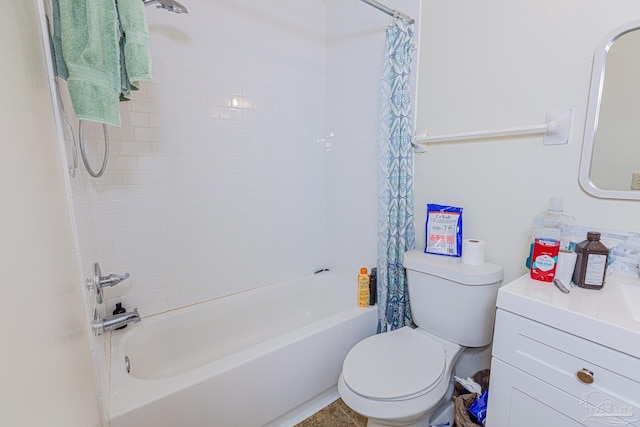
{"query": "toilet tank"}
[(452, 300)]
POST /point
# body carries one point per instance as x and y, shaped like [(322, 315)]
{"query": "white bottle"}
[(551, 224)]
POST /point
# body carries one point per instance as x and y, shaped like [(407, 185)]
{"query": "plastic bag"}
[(478, 408), (444, 230)]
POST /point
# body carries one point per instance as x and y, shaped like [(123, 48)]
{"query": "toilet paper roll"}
[(473, 251), (564, 267)]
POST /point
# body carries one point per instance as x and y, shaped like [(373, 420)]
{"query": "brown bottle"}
[(591, 265)]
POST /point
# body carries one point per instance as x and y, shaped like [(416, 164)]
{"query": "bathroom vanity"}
[(566, 359)]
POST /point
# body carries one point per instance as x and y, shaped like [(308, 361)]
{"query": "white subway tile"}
[(113, 235), (181, 301), (122, 133), (136, 300), (128, 248), (139, 119), (141, 205), (131, 148), (166, 293), (108, 207), (149, 134), (146, 105), (153, 308), (106, 251), (150, 284)]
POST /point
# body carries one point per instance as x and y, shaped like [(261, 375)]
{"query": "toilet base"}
[(422, 422), (443, 415)]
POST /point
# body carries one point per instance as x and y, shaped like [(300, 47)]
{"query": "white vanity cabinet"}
[(566, 360)]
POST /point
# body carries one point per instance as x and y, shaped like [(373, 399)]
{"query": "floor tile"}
[(337, 414)]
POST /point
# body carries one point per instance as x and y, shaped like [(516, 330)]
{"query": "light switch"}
[(635, 181)]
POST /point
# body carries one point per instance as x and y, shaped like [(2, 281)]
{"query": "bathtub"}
[(268, 356)]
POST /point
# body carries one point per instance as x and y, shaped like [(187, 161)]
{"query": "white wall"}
[(503, 64), (45, 368)]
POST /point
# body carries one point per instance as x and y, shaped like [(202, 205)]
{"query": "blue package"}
[(478, 408), (444, 230)]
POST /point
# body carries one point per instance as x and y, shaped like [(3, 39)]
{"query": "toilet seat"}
[(395, 365)]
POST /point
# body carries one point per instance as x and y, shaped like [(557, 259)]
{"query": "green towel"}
[(104, 46), (137, 59), (90, 47), (55, 39)]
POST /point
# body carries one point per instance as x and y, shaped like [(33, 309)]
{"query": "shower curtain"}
[(395, 178)]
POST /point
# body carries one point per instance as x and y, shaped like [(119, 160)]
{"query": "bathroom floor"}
[(337, 414)]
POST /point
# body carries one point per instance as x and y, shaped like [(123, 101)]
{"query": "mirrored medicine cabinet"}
[(610, 164)]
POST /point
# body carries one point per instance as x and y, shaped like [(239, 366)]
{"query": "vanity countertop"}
[(609, 316)]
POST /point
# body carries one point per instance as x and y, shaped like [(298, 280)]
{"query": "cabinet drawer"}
[(556, 357), (517, 399)]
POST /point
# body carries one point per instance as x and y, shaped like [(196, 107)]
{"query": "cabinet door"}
[(517, 399), (557, 357)]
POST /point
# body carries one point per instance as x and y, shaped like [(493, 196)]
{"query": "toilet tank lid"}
[(452, 268)]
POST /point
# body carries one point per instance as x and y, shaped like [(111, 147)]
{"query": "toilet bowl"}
[(398, 378)]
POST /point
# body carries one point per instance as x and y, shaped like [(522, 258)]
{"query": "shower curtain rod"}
[(393, 12)]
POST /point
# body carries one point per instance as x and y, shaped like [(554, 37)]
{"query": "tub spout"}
[(101, 326)]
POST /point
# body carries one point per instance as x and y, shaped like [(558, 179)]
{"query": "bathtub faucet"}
[(101, 326)]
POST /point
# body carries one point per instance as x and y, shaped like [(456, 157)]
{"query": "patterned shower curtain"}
[(395, 175)]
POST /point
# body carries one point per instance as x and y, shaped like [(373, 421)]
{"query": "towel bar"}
[(556, 132)]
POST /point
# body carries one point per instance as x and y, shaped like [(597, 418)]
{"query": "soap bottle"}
[(591, 263), (551, 225), (363, 288), (119, 309), (373, 286)]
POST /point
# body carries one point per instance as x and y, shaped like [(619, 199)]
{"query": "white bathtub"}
[(259, 357)]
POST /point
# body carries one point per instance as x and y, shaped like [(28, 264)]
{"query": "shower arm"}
[(170, 5)]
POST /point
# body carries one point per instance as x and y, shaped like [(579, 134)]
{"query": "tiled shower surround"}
[(216, 181), (220, 178)]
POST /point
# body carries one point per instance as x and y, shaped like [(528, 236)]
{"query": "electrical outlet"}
[(635, 181)]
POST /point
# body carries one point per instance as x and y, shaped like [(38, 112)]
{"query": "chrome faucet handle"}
[(112, 279), (99, 281)]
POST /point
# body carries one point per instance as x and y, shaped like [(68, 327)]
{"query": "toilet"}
[(398, 378)]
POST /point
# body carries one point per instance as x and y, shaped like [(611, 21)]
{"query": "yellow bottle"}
[(363, 288)]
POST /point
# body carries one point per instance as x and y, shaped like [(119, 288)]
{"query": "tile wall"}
[(216, 181)]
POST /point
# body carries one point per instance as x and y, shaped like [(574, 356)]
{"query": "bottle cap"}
[(593, 235), (555, 203), (363, 270)]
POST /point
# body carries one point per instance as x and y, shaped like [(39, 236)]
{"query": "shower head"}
[(170, 5)]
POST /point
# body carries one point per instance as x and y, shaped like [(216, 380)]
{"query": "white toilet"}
[(453, 305)]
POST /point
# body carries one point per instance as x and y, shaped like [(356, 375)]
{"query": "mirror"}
[(610, 164)]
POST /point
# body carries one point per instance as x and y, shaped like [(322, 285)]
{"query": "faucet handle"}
[(100, 281), (112, 279)]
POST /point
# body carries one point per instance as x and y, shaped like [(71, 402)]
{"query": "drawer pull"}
[(585, 376)]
